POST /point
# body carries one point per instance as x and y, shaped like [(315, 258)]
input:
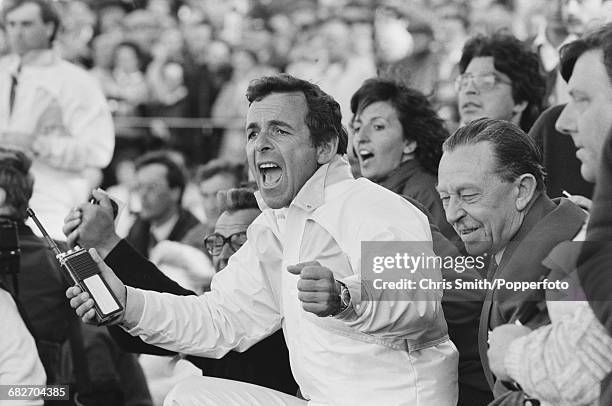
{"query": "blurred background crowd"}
[(175, 71)]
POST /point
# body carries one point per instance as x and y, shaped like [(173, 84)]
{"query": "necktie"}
[(14, 83)]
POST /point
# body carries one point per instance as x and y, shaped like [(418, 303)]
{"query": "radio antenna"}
[(52, 245)]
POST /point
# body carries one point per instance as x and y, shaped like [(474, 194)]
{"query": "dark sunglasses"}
[(215, 242)]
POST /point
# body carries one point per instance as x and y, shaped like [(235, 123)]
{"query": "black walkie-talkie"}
[(85, 273)]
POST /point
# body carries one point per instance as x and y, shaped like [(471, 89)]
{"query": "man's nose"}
[(226, 253), (262, 142), (454, 210), (566, 123)]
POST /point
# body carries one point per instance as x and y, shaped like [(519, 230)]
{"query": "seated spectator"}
[(397, 138), (215, 176), (491, 183), (160, 183), (500, 78), (563, 363)]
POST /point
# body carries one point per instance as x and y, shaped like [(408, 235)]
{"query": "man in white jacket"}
[(301, 270)]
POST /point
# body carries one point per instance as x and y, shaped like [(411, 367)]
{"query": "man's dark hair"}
[(17, 182), (175, 172), (48, 13), (600, 38), (515, 152), (419, 120), (220, 166), (323, 119), (237, 199), (514, 59)]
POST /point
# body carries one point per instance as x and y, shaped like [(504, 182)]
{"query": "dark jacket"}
[(559, 153), (265, 364), (412, 180), (546, 224), (42, 288), (140, 232)]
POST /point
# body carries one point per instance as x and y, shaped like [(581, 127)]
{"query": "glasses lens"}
[(237, 240), (485, 82), (213, 244)]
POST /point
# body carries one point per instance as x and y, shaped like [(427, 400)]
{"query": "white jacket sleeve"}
[(563, 363), (240, 310), (391, 313)]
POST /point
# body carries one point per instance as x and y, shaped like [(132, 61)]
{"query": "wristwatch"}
[(345, 298)]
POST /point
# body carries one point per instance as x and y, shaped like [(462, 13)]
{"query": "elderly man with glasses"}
[(500, 79)]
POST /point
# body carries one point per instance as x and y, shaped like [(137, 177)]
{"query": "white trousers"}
[(206, 391)]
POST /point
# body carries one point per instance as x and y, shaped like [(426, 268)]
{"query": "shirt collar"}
[(312, 194), (42, 57)]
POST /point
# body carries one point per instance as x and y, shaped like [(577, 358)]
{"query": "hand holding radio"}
[(92, 225), (82, 302)]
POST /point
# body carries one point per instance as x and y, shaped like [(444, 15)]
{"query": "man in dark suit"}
[(160, 183), (491, 182)]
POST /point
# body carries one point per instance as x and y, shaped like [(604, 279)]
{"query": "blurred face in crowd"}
[(485, 92), (159, 201), (280, 151), (208, 191), (197, 39), (26, 31), (576, 14), (110, 18), (126, 59), (587, 117), (233, 226), (378, 140), (484, 210)]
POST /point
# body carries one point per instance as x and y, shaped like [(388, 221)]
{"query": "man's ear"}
[(326, 151), (526, 185), (2, 197), (519, 108), (49, 27)]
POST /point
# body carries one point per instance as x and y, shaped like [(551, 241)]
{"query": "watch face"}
[(345, 296)]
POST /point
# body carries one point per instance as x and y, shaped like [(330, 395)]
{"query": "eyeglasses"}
[(215, 242), (483, 82)]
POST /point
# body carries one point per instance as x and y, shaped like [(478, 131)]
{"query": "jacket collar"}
[(312, 194), (398, 177)]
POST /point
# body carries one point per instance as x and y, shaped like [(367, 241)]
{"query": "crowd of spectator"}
[(442, 102)]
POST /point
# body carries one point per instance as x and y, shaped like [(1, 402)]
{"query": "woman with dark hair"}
[(397, 138)]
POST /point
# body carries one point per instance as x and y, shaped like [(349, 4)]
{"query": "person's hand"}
[(582, 201), (317, 289), (91, 225), (83, 304), (499, 340)]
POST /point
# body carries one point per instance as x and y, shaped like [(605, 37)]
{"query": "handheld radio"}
[(85, 273)]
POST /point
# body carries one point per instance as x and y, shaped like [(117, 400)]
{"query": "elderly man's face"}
[(479, 205), (486, 92), (587, 117), (233, 226), (279, 147)]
